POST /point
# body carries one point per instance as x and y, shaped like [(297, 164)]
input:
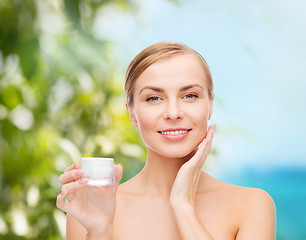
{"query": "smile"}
[(174, 132)]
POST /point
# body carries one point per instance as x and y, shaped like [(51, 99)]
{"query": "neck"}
[(159, 173)]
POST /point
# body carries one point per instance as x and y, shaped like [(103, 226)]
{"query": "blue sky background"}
[(257, 54), (256, 50)]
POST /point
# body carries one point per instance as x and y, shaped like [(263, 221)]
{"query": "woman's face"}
[(171, 106)]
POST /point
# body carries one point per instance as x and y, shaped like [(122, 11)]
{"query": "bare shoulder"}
[(248, 197), (255, 197), (258, 215), (253, 209), (248, 200)]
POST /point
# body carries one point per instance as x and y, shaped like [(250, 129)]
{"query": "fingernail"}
[(78, 173)]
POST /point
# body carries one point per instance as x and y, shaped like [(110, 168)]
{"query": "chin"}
[(177, 153)]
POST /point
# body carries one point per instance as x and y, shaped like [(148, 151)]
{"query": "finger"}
[(199, 158), (76, 165), (210, 128), (60, 201), (71, 188), (210, 138), (193, 162), (71, 176), (207, 147), (210, 131), (65, 206)]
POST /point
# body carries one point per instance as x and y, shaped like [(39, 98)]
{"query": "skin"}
[(172, 189)]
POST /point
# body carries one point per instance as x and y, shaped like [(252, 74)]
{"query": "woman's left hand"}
[(185, 185)]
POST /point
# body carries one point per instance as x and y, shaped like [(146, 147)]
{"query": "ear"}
[(132, 116)]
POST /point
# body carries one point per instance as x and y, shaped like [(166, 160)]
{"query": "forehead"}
[(177, 70)]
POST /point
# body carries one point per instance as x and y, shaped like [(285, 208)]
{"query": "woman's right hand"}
[(93, 207)]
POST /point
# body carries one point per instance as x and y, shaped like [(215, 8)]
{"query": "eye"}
[(191, 96), (152, 99)]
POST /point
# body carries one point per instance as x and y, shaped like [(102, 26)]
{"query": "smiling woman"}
[(171, 95), (170, 99)]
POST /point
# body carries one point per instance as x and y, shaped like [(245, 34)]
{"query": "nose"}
[(173, 111)]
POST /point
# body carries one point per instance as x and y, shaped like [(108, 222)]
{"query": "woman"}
[(170, 99)]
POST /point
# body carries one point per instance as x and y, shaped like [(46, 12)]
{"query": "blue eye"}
[(191, 95), (152, 99)]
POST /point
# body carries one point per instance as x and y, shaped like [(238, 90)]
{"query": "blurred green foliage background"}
[(61, 97)]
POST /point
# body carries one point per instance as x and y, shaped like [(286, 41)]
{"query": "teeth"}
[(174, 132)]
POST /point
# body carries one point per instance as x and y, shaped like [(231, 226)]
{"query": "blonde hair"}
[(154, 53)]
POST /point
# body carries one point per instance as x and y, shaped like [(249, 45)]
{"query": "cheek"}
[(146, 118), (202, 124), (200, 120), (199, 114)]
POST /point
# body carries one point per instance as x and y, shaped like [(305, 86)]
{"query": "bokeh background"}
[(62, 67)]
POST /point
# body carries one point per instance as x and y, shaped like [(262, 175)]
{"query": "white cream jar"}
[(99, 171)]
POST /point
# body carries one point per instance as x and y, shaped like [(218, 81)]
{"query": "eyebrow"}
[(157, 89)]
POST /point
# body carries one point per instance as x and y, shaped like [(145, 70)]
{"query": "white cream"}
[(99, 171)]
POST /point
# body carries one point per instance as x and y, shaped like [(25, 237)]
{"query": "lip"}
[(174, 129), (175, 138)]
